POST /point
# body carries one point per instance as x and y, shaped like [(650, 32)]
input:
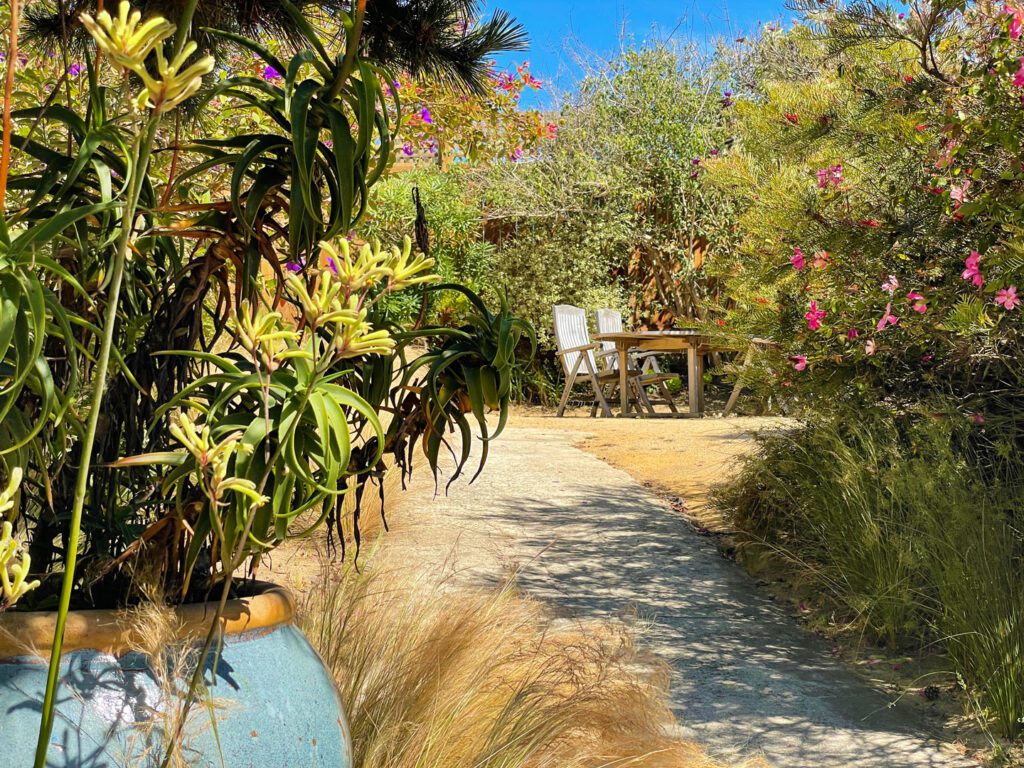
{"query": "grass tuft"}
[(436, 676)]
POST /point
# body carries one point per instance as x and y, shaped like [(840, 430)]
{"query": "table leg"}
[(623, 380), (695, 380)]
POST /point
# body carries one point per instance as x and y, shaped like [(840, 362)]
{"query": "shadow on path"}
[(595, 544)]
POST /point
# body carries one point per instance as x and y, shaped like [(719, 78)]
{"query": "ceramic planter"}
[(274, 704)]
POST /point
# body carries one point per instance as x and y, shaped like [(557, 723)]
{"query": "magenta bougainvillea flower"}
[(852, 334), (887, 319), (918, 303), (269, 73), (814, 316), (1016, 20), (799, 362), (425, 116), (959, 194), (891, 284), (830, 177), (798, 260), (1018, 77), (972, 269), (1007, 297)]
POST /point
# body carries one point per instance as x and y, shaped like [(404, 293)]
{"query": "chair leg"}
[(748, 358), (668, 397), (605, 410), (565, 396), (643, 399)]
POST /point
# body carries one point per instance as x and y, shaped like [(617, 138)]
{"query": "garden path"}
[(594, 543)]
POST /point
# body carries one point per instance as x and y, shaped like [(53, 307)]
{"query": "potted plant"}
[(189, 380)]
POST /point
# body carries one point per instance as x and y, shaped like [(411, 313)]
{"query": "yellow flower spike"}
[(14, 568), (355, 337), (355, 274), (405, 271), (8, 494), (262, 336), (173, 86), (125, 39), (183, 430)]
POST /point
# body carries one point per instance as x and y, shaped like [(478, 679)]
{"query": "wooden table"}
[(694, 343)]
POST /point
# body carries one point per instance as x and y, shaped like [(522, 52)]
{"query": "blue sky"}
[(558, 27)]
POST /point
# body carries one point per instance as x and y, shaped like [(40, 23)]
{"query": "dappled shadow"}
[(595, 544)]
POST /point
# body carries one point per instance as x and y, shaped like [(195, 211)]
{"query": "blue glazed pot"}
[(274, 704)]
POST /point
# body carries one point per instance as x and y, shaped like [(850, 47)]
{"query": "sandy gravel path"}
[(595, 543)]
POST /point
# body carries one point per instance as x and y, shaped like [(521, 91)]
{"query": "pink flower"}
[(799, 362), (959, 194), (1007, 297), (1018, 77), (820, 260), (814, 316), (1016, 20), (972, 269), (891, 284), (830, 177), (797, 260), (887, 319), (919, 305), (852, 334), (978, 418)]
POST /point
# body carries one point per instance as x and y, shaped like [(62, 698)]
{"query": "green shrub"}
[(907, 536)]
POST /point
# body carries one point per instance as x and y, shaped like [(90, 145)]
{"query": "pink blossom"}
[(820, 260), (852, 334), (814, 316), (1018, 77), (1007, 297), (919, 305), (1016, 20), (887, 319), (797, 259), (972, 269), (832, 176), (891, 284), (959, 194), (799, 362), (978, 418)]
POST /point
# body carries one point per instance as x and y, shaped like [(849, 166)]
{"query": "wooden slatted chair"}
[(577, 353), (610, 321)]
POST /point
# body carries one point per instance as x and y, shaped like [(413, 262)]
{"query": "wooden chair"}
[(576, 351), (610, 321)]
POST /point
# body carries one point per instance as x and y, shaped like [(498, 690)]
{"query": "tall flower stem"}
[(12, 62), (143, 150)]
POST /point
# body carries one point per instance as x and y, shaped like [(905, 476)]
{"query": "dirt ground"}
[(678, 458)]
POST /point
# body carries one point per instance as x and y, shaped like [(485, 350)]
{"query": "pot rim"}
[(111, 630)]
